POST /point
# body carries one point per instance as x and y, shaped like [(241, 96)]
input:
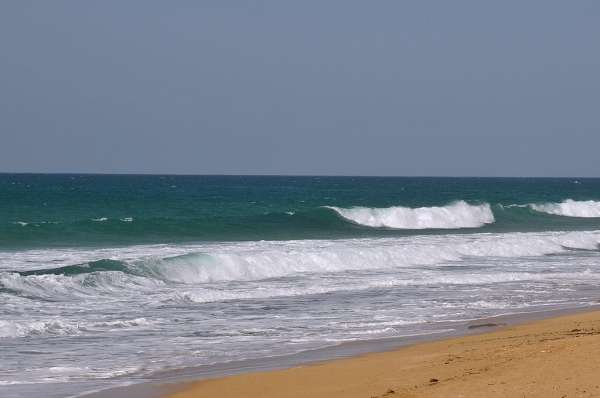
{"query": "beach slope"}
[(558, 357)]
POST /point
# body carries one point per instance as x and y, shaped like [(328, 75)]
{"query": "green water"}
[(104, 210)]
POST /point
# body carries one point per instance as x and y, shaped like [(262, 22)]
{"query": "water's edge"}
[(162, 383)]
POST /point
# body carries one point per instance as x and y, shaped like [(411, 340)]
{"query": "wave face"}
[(453, 216), (570, 208)]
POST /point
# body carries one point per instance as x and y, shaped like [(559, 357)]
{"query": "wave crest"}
[(570, 208), (456, 215), (210, 264)]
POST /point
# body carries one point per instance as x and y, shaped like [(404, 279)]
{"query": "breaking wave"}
[(453, 216), (264, 260), (273, 261), (570, 208), (309, 222)]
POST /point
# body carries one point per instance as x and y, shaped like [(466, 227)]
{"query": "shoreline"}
[(177, 381), (554, 357)]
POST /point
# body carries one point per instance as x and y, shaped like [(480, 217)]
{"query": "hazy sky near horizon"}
[(488, 88)]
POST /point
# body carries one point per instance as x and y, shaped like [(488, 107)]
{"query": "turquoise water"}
[(97, 210), (109, 280)]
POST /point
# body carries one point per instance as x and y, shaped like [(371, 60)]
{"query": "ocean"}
[(106, 280)]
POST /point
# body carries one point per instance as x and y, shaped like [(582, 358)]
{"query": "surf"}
[(252, 261)]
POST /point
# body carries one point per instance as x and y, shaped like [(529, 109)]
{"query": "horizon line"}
[(275, 175)]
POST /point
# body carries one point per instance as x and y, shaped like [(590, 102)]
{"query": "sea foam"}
[(36, 328), (459, 214), (270, 260), (570, 208), (62, 327), (204, 265), (264, 260)]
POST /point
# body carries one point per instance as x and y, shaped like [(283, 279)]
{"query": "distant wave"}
[(455, 215), (34, 223), (313, 221), (570, 208)]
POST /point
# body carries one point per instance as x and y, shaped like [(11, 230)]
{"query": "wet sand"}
[(557, 357)]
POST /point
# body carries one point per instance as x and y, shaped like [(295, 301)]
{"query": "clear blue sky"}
[(490, 88)]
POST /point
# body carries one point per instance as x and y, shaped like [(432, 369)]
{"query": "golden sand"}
[(558, 357)]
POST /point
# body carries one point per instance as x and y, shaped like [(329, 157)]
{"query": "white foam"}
[(570, 208), (36, 328), (455, 215), (424, 278), (263, 260), (66, 373), (62, 327), (118, 324)]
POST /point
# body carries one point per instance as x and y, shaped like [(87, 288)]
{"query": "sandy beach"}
[(557, 357)]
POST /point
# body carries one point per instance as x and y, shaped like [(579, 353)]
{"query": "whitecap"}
[(459, 214)]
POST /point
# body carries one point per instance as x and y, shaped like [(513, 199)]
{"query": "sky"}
[(411, 88)]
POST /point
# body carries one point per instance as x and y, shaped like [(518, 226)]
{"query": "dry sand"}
[(558, 357)]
